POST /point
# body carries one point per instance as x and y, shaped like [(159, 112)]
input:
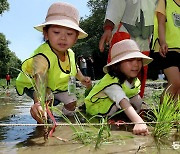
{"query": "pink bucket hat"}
[(63, 14), (126, 49)]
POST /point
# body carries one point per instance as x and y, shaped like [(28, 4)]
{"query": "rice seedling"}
[(166, 116), (90, 134), (85, 134), (44, 97)]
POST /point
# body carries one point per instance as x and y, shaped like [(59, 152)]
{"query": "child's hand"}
[(87, 82), (163, 50), (37, 113), (140, 129)]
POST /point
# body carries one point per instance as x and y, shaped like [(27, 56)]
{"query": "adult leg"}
[(173, 86), (69, 108)]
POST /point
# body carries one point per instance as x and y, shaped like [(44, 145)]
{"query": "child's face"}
[(131, 67), (61, 38)]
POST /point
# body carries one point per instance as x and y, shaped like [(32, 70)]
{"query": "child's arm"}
[(162, 31), (139, 129), (83, 79)]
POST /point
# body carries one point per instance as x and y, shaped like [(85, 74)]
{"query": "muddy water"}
[(29, 139)]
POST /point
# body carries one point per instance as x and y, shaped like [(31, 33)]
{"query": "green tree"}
[(8, 59), (93, 25), (4, 6), (4, 55)]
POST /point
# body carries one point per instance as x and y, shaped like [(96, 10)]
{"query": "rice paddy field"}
[(20, 134)]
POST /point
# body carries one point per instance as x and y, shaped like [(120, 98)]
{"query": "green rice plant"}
[(86, 134), (39, 88), (104, 132), (43, 95), (103, 128), (177, 120), (89, 134), (166, 115), (155, 96)]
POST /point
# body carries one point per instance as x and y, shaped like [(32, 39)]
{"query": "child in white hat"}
[(120, 87), (53, 63)]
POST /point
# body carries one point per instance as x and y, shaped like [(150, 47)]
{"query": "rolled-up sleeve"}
[(116, 94), (40, 64), (161, 7), (115, 11)]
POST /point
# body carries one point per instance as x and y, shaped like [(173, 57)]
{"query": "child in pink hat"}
[(120, 87), (52, 66)]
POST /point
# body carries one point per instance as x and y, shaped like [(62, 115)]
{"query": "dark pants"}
[(8, 82)]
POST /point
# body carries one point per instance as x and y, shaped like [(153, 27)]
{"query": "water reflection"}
[(37, 132), (14, 110)]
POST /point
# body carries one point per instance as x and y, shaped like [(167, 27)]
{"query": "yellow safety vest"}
[(98, 102), (172, 27), (57, 78)]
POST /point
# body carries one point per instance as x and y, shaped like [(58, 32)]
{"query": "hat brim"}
[(128, 55), (65, 23)]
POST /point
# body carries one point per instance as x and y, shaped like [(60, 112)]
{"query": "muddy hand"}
[(37, 113), (140, 129)]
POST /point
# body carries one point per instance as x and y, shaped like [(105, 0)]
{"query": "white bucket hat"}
[(126, 49), (63, 14)]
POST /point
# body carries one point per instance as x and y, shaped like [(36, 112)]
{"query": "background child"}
[(8, 79), (53, 63), (136, 17), (166, 44), (119, 88)]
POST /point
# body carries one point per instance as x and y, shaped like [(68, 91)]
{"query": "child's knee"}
[(70, 106), (69, 109)]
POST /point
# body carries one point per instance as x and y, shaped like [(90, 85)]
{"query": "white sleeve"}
[(115, 10), (116, 94)]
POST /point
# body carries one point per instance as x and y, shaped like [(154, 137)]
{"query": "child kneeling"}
[(120, 87)]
